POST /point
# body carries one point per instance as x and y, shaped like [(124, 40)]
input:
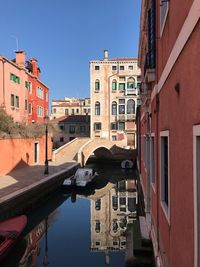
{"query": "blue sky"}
[(64, 35)]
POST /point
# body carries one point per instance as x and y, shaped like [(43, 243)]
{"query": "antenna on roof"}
[(17, 43)]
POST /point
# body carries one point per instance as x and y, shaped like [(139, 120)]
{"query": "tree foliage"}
[(19, 129)]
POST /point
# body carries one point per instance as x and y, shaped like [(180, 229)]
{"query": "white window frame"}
[(40, 92), (165, 17), (40, 111), (196, 133), (152, 163), (166, 209)]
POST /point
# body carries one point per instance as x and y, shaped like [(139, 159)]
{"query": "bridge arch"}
[(100, 147)]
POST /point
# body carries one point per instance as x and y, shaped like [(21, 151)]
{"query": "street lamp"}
[(46, 169)]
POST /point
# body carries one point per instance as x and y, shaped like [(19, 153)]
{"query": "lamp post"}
[(46, 169)]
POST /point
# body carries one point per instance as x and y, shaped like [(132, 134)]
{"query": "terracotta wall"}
[(19, 152)]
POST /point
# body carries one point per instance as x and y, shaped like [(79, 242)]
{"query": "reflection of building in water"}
[(110, 215), (33, 247), (33, 239)]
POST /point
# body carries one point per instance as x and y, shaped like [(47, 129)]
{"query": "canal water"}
[(85, 227)]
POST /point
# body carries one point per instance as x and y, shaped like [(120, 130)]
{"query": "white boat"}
[(127, 164), (81, 177)]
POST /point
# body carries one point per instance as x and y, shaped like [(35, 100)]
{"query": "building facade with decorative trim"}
[(114, 92)]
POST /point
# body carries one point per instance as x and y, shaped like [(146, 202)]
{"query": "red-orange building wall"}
[(19, 152)]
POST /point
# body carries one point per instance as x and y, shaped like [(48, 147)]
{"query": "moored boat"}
[(10, 230), (82, 177)]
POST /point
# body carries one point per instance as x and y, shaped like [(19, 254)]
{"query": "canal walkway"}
[(31, 180)]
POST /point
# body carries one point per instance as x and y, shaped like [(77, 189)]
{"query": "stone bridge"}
[(80, 149)]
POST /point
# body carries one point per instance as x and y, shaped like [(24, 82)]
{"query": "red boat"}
[(9, 232)]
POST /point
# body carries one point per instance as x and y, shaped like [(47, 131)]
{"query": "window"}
[(97, 68), (115, 243), (114, 85), (98, 204), (26, 84), (130, 67), (61, 127), (115, 202), (113, 126), (40, 93), (71, 129), (164, 161), (97, 108), (47, 97), (97, 226), (121, 125), (14, 78), (85, 110), (88, 110), (98, 243), (17, 101), (152, 160), (130, 106), (114, 225), (151, 56), (61, 139), (114, 138), (54, 110), (12, 100), (114, 108), (29, 108), (26, 104), (97, 85), (114, 67), (121, 106), (40, 111), (121, 86), (66, 111), (72, 111), (30, 87), (131, 83), (121, 67), (77, 111), (97, 126), (164, 7)]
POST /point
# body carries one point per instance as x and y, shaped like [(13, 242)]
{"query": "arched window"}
[(97, 85), (114, 108), (114, 85), (97, 108), (131, 83), (130, 106)]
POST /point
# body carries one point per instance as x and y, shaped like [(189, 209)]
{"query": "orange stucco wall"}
[(19, 152)]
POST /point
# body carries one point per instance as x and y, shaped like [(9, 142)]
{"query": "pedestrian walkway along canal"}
[(76, 228)]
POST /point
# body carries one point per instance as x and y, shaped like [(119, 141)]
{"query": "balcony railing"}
[(126, 117), (131, 91)]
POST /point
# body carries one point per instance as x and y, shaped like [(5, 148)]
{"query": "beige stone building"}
[(114, 90), (70, 106)]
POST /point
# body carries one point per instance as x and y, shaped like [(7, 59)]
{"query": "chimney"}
[(35, 68), (20, 58), (105, 54)]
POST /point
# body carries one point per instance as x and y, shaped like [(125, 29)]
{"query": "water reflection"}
[(101, 213)]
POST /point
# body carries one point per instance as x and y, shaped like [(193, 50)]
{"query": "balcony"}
[(131, 91), (126, 117)]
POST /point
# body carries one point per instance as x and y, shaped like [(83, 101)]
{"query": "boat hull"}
[(10, 230)]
